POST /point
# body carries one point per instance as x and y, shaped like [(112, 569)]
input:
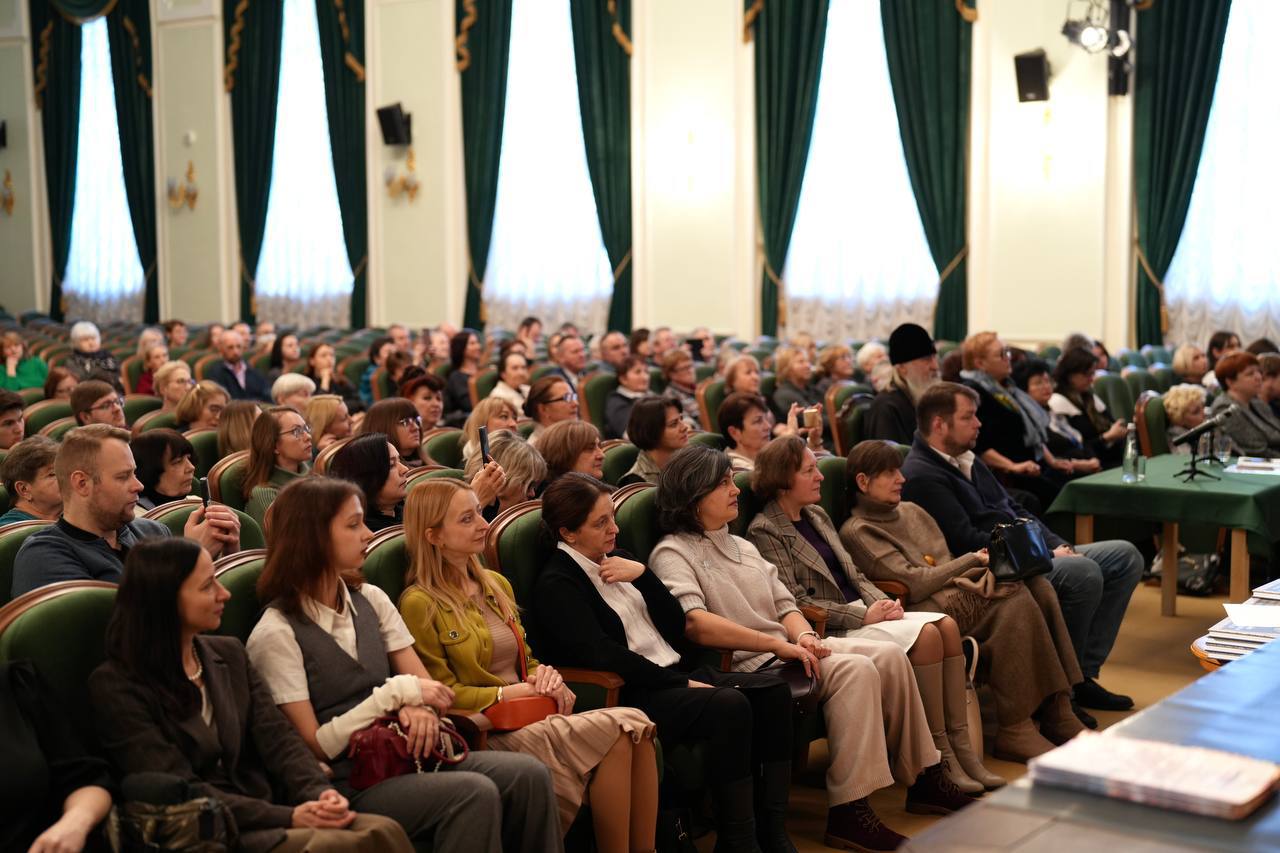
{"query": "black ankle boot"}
[(772, 790), (735, 817)]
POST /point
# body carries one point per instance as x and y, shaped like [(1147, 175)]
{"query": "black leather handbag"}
[(804, 687), (1018, 551)]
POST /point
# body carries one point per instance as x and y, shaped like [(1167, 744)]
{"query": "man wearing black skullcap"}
[(892, 416)]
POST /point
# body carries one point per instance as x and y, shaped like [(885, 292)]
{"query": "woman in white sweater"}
[(732, 597)]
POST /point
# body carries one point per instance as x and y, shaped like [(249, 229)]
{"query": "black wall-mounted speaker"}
[(1032, 69), (396, 124)]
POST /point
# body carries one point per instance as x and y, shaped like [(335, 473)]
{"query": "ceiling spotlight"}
[(1090, 26)]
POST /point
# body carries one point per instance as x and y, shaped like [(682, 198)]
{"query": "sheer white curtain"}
[(547, 256), (304, 276), (858, 263), (1226, 271), (104, 279)]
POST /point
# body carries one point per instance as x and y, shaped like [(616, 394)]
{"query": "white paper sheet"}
[(1254, 615)]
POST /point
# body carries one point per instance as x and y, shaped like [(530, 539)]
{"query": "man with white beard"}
[(892, 416)]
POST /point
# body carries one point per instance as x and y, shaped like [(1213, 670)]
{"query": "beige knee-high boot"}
[(954, 682), (929, 678)]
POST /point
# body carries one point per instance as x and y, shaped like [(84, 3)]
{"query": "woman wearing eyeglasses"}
[(279, 453), (658, 428), (551, 401), (172, 381), (399, 421), (201, 407)]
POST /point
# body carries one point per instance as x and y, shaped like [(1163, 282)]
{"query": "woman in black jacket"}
[(612, 613)]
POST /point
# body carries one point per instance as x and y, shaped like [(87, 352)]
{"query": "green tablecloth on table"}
[(1247, 501)]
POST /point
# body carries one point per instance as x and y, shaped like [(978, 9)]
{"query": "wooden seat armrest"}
[(817, 617), (472, 725), (896, 589), (610, 681)]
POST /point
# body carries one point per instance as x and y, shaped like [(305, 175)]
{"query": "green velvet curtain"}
[(602, 53), (56, 58), (129, 34), (1179, 49), (789, 40), (342, 54), (927, 45), (251, 74), (483, 45)]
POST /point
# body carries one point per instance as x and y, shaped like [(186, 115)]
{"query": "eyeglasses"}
[(113, 403), (408, 422), (567, 398), (297, 432)]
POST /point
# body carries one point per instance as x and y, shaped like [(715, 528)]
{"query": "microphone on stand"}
[(1210, 424)]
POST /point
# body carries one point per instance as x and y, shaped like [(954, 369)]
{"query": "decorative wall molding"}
[(168, 11)]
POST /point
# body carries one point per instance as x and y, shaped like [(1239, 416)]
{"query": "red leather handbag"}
[(381, 751), (511, 714)]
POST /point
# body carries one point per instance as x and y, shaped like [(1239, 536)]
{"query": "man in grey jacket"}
[(95, 472)]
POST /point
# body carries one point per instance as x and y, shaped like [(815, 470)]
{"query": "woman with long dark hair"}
[(286, 354), (172, 700), (399, 420), (1101, 430), (166, 466), (337, 656), (465, 350), (279, 453), (373, 463)]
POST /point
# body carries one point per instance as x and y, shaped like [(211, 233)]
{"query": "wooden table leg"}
[(1084, 529), (1239, 566), (1169, 570)]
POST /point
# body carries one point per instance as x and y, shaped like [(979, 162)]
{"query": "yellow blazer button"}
[(453, 635), (928, 558)]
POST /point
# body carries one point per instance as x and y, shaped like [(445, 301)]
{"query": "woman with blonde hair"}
[(495, 413), (1184, 408), (279, 453), (153, 358), (171, 382), (328, 418), (795, 380), (572, 446), (201, 407), (835, 364), (468, 634), (523, 471), (236, 426)]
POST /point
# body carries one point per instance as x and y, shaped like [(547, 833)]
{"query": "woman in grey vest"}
[(171, 700), (336, 656)]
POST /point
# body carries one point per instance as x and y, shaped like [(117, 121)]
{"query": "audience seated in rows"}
[(732, 597), (279, 453), (1253, 429), (97, 402), (892, 415), (1023, 640), (373, 464), (1034, 378), (747, 426), (572, 446), (551, 400), (336, 655), (95, 471), (681, 378), (1184, 409), (235, 426), (607, 752), (329, 419), (659, 429), (426, 392), (398, 420), (286, 354), (465, 351), (514, 475), (796, 535), (30, 481), (172, 699), (88, 360), (59, 384), (493, 413), (1094, 582), (321, 369), (1102, 432), (20, 370), (166, 467), (202, 407), (1013, 440), (633, 383), (292, 390), (12, 422), (241, 380)]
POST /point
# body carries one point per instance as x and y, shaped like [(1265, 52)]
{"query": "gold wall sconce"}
[(184, 192), (7, 197), (406, 184)]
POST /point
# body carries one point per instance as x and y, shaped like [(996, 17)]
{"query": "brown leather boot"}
[(1058, 723), (933, 793), (929, 680), (955, 700), (1020, 742), (855, 826)]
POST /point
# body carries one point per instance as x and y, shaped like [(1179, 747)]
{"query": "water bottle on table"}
[(1134, 466)]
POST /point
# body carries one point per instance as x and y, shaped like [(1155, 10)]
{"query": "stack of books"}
[(1184, 778), (1231, 640)]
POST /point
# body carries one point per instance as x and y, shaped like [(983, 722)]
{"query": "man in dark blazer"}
[(571, 356), (892, 416), (1094, 582), (234, 373)]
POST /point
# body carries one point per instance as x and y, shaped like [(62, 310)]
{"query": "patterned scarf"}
[(1035, 420)]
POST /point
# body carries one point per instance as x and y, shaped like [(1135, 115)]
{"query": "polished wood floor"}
[(1151, 660)]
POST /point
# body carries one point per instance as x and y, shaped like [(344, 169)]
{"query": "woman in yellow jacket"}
[(465, 629)]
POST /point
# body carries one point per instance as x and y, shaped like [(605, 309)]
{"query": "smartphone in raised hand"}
[(484, 445)]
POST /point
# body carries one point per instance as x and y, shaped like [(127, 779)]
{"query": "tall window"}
[(547, 256), (104, 278), (303, 276), (858, 263), (1226, 271)]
